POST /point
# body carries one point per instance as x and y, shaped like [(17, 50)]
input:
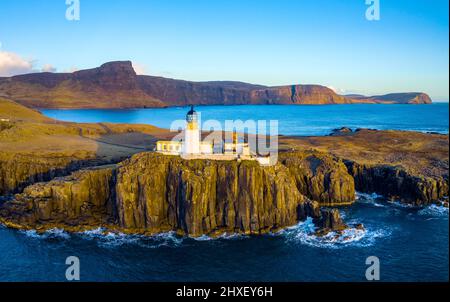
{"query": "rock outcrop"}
[(19, 171), (407, 166), (152, 193), (330, 219), (116, 85), (201, 196), (396, 183), (77, 201), (320, 177)]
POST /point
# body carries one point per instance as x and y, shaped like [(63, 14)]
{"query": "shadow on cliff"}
[(111, 148)]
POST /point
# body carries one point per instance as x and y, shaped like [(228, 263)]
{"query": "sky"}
[(269, 42)]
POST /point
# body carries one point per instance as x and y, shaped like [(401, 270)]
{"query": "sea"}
[(291, 119), (411, 243)]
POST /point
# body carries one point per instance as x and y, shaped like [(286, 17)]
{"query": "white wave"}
[(367, 196), (94, 233), (399, 204), (304, 233), (379, 205), (370, 199), (223, 236), (232, 236), (434, 211), (170, 239), (203, 238), (49, 234), (107, 238)]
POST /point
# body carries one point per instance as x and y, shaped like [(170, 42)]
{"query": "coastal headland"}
[(116, 85), (74, 176)]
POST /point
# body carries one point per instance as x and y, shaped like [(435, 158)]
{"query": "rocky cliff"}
[(320, 177), (152, 193), (406, 166), (19, 171), (74, 202), (397, 184), (116, 85)]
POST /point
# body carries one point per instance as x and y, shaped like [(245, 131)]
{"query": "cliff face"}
[(320, 177), (152, 193), (298, 94), (403, 165), (116, 85), (19, 171), (80, 200), (198, 197), (398, 184)]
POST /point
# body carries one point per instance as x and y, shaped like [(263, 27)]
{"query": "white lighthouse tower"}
[(192, 133)]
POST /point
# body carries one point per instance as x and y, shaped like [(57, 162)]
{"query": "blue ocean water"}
[(292, 119), (411, 243)]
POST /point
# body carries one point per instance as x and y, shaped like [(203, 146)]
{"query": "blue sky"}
[(277, 42)]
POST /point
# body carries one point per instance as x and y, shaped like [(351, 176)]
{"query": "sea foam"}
[(304, 233), (49, 234), (434, 211)]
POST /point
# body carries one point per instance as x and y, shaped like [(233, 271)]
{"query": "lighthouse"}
[(194, 148), (192, 133)]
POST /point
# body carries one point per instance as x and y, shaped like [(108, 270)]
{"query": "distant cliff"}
[(116, 85), (393, 98)]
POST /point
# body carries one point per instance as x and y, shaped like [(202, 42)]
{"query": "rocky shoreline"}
[(45, 184), (397, 184), (152, 193)]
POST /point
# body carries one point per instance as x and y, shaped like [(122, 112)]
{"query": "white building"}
[(193, 147), (192, 144), (192, 133)]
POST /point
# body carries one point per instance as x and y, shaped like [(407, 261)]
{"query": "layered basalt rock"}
[(320, 177), (80, 200), (152, 193), (202, 196), (19, 171), (396, 183)]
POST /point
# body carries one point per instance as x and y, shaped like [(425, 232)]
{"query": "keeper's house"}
[(193, 147)]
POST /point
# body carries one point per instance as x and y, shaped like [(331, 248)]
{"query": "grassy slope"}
[(31, 133), (15, 112)]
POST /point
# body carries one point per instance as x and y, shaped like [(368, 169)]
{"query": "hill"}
[(116, 85)]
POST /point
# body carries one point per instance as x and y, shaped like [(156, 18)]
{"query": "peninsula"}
[(107, 175)]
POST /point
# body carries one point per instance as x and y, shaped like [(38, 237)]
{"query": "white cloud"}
[(48, 68), (13, 64), (340, 91), (139, 68)]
